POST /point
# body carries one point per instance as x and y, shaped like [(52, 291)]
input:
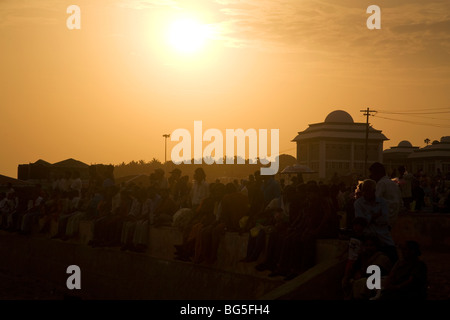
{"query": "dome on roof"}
[(405, 144), (445, 139), (339, 116), (435, 142)]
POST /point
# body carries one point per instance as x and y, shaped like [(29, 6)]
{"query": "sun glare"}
[(188, 35)]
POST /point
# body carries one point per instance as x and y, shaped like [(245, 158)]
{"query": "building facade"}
[(398, 156), (43, 170), (432, 160), (337, 146)]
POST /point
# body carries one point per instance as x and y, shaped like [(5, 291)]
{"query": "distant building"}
[(398, 156), (43, 170), (39, 170), (429, 159), (5, 181), (337, 146)]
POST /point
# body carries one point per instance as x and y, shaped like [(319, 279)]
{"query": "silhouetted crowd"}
[(283, 221)]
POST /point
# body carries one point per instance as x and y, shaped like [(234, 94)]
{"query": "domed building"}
[(337, 146), (432, 158), (398, 156)]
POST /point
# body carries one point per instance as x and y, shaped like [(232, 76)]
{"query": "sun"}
[(188, 35)]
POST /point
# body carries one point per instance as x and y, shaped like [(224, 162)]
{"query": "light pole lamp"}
[(165, 146)]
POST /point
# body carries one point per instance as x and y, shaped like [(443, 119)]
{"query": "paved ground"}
[(438, 263), (22, 287)]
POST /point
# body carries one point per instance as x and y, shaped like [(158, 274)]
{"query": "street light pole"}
[(165, 146)]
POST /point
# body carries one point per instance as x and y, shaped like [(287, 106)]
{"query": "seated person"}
[(30, 217), (408, 278), (354, 249), (370, 255), (165, 210), (376, 211)]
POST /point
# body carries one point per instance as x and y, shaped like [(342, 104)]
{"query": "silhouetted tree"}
[(155, 162)]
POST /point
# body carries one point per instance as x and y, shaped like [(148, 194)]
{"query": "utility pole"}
[(367, 113), (165, 146)]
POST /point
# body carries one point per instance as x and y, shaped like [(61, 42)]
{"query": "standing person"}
[(388, 190), (161, 182), (405, 184), (251, 187), (174, 184), (418, 196), (183, 191), (271, 189), (200, 188), (244, 189), (375, 210)]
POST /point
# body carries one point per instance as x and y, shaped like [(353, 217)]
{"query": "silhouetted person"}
[(200, 189), (418, 195), (375, 210), (388, 190), (405, 180), (408, 278), (370, 255)]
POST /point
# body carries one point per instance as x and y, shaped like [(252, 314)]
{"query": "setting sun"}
[(188, 35)]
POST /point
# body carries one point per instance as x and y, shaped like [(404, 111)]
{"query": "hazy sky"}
[(108, 92)]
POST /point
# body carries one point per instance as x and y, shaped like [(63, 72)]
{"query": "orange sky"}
[(108, 92)]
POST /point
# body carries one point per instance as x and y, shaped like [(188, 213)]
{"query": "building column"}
[(380, 152), (322, 156), (438, 165), (352, 156), (308, 154)]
